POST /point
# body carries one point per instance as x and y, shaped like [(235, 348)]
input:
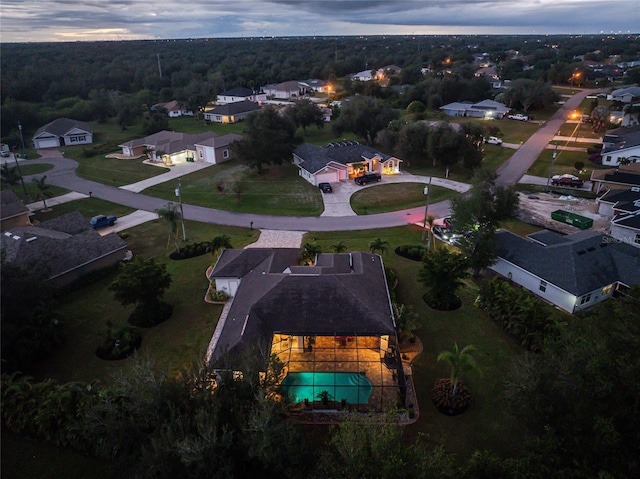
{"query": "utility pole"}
[(26, 195), (179, 195), (427, 191)]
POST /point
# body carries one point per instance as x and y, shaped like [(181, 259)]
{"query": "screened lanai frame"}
[(339, 364)]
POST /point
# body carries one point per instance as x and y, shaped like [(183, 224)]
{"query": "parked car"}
[(445, 234), (325, 187), (519, 116), (368, 178), (493, 140), (101, 221), (566, 180), (4, 154)]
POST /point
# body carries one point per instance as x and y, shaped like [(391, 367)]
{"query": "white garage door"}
[(47, 143), (326, 178)]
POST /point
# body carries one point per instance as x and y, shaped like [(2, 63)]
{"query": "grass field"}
[(396, 196), (88, 207), (233, 187)]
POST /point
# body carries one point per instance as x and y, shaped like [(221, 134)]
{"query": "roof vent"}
[(8, 233), (635, 188), (602, 245), (591, 248), (581, 252), (29, 240), (16, 237)]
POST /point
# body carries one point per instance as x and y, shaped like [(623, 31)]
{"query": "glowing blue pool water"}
[(353, 387)]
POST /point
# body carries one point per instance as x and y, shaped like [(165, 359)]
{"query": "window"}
[(585, 299), (606, 290), (543, 286), (225, 154)]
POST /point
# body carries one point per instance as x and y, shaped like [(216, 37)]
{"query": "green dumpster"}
[(572, 219)]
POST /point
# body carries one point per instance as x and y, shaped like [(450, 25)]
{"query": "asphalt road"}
[(63, 175), (516, 166)]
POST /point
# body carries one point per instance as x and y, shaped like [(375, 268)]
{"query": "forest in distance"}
[(40, 80)]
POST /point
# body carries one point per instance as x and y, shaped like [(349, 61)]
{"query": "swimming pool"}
[(354, 387)]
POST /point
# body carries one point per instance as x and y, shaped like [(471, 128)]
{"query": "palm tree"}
[(43, 188), (171, 214), (309, 253), (10, 175), (460, 362), (378, 245), (219, 243), (338, 247)]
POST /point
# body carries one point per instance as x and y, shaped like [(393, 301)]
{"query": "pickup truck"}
[(367, 178), (519, 116), (101, 221), (566, 180)]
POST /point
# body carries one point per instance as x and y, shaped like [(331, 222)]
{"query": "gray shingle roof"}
[(239, 91), (345, 294), (235, 108), (11, 205), (58, 245), (630, 221), (314, 158), (582, 263), (62, 126)]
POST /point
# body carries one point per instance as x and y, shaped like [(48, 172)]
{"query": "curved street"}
[(338, 214)]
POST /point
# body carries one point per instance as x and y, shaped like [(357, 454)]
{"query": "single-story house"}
[(365, 75), (171, 147), (623, 177), (173, 109), (314, 84), (63, 249), (572, 272), (13, 212), (240, 94), (231, 112), (331, 324), (615, 202), (488, 109), (341, 161), (285, 90), (621, 143), (626, 227), (625, 95), (63, 132)]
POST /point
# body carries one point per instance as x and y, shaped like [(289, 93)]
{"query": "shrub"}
[(445, 402)]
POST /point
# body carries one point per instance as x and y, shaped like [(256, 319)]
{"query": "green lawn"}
[(564, 163), (27, 169), (396, 196), (233, 187), (580, 130), (88, 207)]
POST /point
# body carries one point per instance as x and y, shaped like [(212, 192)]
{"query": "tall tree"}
[(365, 117), (305, 113), (269, 139), (309, 252), (442, 273), (379, 246), (218, 244), (478, 215)]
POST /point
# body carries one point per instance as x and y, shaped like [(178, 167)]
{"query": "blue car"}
[(103, 220)]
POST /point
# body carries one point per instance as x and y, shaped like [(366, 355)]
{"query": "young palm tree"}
[(43, 188), (171, 214), (378, 245), (309, 252), (339, 247), (219, 243), (460, 362), (10, 175)]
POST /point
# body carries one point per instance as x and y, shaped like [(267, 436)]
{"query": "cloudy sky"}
[(73, 20)]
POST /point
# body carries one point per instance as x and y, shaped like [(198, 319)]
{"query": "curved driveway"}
[(63, 175)]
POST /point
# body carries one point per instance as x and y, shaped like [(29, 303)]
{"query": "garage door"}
[(47, 143), (327, 178)]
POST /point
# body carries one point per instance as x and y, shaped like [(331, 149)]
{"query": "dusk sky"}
[(74, 20)]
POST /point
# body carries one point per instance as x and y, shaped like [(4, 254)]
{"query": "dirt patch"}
[(537, 208)]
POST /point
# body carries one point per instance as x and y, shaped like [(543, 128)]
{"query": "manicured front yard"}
[(396, 196)]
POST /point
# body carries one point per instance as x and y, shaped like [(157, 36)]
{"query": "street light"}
[(179, 195), (427, 193)]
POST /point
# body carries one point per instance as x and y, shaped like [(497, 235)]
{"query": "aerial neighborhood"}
[(218, 248)]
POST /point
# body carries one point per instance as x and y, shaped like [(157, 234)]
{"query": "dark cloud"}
[(55, 20)]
